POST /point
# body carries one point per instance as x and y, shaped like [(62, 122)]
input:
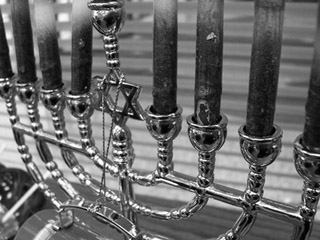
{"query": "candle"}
[(209, 49), (165, 57), (50, 64), (5, 64), (311, 133), (81, 48), (23, 40), (264, 71)]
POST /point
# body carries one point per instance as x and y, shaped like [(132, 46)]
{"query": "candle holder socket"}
[(6, 87), (207, 138), (108, 17), (260, 151), (164, 127), (53, 100), (307, 163), (80, 106), (27, 92)]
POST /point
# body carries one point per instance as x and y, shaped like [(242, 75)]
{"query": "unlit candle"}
[(81, 62), (50, 64), (165, 57), (209, 49), (265, 63), (23, 40)]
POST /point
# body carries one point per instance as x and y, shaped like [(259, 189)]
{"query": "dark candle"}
[(81, 62), (209, 49), (264, 71), (23, 40), (5, 64), (50, 64), (165, 57), (311, 133)]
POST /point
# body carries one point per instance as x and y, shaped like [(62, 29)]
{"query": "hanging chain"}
[(105, 151)]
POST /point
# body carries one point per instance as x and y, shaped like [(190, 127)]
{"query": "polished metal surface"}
[(206, 140)]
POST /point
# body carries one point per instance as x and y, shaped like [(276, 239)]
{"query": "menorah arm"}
[(234, 197), (29, 95), (8, 91), (81, 107), (20, 129)]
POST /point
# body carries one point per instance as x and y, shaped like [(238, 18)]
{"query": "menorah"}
[(260, 139)]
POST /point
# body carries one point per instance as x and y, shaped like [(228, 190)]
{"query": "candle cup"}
[(50, 64), (81, 64), (165, 57), (23, 40), (5, 64), (264, 71), (208, 84)]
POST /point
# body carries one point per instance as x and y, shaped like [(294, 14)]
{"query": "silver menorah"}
[(207, 139)]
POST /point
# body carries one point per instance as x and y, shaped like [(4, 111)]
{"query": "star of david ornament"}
[(128, 91)]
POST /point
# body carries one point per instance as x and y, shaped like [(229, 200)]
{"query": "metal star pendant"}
[(130, 93)]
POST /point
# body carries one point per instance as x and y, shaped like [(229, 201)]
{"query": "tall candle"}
[(311, 133), (209, 49), (23, 40), (165, 57), (50, 64), (265, 61), (81, 64), (5, 64)]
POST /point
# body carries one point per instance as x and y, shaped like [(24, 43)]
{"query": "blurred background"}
[(282, 184)]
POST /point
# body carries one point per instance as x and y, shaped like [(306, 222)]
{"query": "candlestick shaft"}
[(265, 61), (5, 64), (209, 49), (311, 133), (23, 39), (165, 57), (50, 64), (81, 48)]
